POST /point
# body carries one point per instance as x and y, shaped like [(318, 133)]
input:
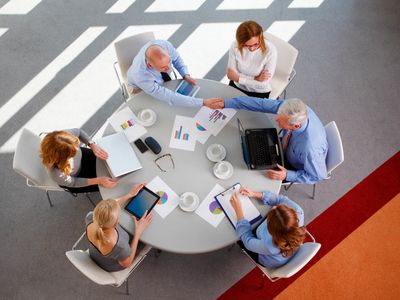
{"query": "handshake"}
[(214, 103)]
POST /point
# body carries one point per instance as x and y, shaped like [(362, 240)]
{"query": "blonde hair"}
[(105, 215), (248, 30), (57, 148)]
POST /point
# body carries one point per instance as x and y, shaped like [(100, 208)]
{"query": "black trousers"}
[(88, 170), (251, 94)]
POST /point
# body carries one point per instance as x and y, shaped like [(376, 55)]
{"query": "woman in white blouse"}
[(252, 61)]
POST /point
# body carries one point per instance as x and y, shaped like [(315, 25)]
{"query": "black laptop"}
[(261, 147)]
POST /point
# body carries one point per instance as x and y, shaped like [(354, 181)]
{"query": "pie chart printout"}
[(215, 208), (163, 197)]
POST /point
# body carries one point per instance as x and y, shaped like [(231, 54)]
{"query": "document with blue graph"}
[(183, 135), (213, 120)]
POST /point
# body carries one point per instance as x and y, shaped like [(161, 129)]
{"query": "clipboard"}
[(250, 212)]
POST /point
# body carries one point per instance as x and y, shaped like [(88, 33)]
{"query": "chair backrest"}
[(27, 161), (126, 49), (82, 261), (335, 155), (287, 55), (305, 253)]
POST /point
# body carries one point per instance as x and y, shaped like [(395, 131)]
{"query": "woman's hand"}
[(135, 189), (100, 153), (237, 206), (107, 182), (232, 75), (141, 225), (248, 192), (263, 76)]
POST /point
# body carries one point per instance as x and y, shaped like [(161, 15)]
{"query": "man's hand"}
[(237, 206), (277, 174), (190, 79), (264, 75), (100, 153), (214, 103), (232, 75), (135, 189)]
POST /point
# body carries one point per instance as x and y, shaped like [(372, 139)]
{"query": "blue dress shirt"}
[(269, 255), (307, 147), (150, 80)]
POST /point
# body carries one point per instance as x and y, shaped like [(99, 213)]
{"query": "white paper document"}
[(250, 211), (183, 135), (213, 120), (209, 208), (126, 121), (169, 200)]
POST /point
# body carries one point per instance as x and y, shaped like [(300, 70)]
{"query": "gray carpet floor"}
[(347, 71)]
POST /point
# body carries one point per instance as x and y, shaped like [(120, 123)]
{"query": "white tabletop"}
[(183, 232)]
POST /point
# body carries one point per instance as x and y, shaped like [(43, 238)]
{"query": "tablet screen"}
[(185, 88), (144, 200)]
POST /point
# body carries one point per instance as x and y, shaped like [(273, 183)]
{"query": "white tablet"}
[(187, 89)]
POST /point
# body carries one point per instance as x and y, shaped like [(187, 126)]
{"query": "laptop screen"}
[(245, 148)]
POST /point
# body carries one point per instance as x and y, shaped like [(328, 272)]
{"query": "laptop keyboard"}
[(261, 149)]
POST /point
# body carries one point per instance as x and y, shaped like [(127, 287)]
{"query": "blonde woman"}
[(110, 246), (252, 61), (71, 166)]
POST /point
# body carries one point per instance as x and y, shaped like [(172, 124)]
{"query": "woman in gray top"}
[(71, 166), (109, 243)]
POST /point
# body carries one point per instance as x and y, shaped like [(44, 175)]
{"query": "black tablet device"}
[(187, 89), (144, 200)]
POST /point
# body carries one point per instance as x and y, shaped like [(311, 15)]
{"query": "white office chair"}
[(27, 163), (126, 49), (284, 72), (334, 157), (82, 261), (305, 253)]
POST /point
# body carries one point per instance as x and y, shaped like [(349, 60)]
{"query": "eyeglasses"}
[(253, 46), (165, 162)]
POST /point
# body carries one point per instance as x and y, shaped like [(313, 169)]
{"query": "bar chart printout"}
[(183, 135), (213, 120)]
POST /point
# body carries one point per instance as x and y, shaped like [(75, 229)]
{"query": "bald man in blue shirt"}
[(304, 138), (152, 66)]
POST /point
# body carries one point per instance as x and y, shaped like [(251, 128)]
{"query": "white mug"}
[(145, 115), (188, 200), (216, 151), (222, 168)]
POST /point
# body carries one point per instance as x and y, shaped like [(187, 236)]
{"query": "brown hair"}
[(283, 225), (56, 148), (105, 215), (248, 30)]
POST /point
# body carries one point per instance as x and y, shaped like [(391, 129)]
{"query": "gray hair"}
[(295, 110)]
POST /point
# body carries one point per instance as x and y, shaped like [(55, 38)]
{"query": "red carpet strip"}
[(331, 227)]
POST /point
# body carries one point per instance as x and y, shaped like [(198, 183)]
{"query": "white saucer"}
[(150, 121), (193, 206), (214, 158), (226, 175)]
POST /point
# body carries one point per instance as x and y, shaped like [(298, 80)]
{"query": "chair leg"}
[(287, 187), (90, 199), (48, 198), (126, 287), (284, 94), (262, 281), (313, 191)]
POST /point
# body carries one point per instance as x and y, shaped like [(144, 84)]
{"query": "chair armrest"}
[(78, 241)]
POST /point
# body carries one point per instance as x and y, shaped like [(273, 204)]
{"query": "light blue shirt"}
[(269, 255), (307, 147), (150, 80)]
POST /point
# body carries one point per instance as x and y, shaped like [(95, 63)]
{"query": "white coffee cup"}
[(145, 115), (222, 168), (216, 151), (188, 200)]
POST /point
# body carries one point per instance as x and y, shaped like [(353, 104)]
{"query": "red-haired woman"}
[(252, 61), (71, 166), (279, 236)]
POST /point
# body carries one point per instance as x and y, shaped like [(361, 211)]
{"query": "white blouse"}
[(250, 65)]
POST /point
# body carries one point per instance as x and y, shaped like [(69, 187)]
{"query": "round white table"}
[(183, 232)]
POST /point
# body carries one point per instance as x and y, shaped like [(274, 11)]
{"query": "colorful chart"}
[(127, 124), (215, 208), (199, 127), (217, 115), (178, 135), (163, 197)]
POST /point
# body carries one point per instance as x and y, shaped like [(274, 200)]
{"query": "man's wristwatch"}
[(90, 142)]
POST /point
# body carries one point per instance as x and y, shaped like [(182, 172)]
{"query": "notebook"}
[(250, 211), (121, 156), (261, 147)]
